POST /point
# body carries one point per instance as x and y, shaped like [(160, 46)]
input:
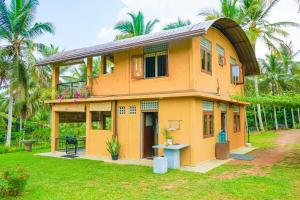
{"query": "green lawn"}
[(60, 179), (265, 140)]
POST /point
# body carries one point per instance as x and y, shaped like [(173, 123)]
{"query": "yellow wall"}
[(184, 74), (184, 70)]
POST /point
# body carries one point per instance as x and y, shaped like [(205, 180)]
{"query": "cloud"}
[(168, 11), (106, 34)]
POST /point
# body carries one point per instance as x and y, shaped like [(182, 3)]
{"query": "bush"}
[(13, 182), (4, 149)]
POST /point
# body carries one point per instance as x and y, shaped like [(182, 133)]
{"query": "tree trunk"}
[(10, 116), (255, 119), (285, 120), (275, 118), (261, 125), (265, 117), (298, 116), (293, 118)]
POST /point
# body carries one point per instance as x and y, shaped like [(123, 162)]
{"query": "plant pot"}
[(169, 141), (28, 145), (222, 151), (114, 157)]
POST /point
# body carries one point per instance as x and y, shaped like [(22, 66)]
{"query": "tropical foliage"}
[(178, 24), (135, 27)]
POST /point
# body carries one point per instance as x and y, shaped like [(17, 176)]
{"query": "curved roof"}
[(228, 27)]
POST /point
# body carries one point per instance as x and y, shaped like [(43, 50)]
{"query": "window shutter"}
[(156, 48), (137, 67), (208, 106), (236, 109), (223, 107), (205, 43), (220, 50)]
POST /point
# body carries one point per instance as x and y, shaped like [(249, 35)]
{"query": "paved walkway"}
[(201, 167)]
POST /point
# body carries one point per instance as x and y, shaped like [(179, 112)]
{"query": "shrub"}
[(13, 182), (4, 149)]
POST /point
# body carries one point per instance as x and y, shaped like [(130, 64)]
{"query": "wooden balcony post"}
[(54, 130), (55, 80), (89, 72)]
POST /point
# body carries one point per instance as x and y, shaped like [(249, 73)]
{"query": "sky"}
[(82, 23)]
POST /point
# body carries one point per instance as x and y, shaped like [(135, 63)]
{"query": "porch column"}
[(54, 130), (88, 127), (55, 80), (89, 72), (114, 118)]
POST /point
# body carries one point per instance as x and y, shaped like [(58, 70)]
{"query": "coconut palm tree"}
[(252, 16), (179, 23), (18, 30), (229, 9), (135, 27)]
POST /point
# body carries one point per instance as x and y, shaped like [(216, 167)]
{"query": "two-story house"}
[(180, 79)]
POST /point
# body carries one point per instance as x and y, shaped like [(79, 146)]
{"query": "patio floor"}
[(201, 167)]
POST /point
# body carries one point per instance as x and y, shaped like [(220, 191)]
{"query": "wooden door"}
[(148, 135)]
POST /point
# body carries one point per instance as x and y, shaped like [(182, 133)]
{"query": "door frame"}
[(142, 130), (225, 123)]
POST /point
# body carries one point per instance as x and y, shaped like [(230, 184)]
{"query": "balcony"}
[(73, 90)]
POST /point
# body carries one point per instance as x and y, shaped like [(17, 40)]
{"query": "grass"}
[(54, 178), (264, 140)]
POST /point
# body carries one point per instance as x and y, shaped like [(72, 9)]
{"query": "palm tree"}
[(179, 23), (274, 77), (135, 27), (80, 73), (229, 9), (251, 15), (17, 29)]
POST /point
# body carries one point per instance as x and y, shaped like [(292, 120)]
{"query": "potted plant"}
[(28, 144), (113, 147), (168, 136)]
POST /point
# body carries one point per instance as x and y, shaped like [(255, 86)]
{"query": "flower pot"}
[(115, 157), (169, 141), (28, 145)]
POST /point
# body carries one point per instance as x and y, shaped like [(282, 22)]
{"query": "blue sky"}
[(81, 23)]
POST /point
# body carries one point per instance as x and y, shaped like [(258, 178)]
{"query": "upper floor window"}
[(221, 55), (236, 119), (108, 64), (206, 56), (236, 72), (208, 119), (156, 61)]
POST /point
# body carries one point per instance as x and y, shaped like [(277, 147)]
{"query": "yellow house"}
[(180, 79)]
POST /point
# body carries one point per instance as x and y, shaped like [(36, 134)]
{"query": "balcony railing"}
[(73, 90)]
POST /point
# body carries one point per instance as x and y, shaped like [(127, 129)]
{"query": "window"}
[(149, 105), (122, 110), (108, 64), (156, 61), (101, 120), (132, 110), (236, 72), (221, 55), (236, 119), (208, 119), (206, 58)]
